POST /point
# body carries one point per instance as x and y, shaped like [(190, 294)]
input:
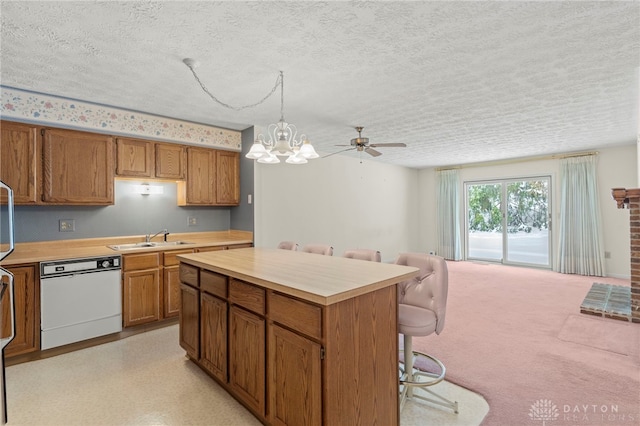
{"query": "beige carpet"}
[(515, 336), (600, 333)]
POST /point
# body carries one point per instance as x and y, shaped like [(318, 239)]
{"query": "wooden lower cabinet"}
[(295, 379), (189, 320), (141, 292), (151, 286), (171, 290), (247, 357), (213, 335), (171, 283), (27, 312), (292, 361)]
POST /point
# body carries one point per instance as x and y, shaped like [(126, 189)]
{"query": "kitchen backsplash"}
[(132, 214)]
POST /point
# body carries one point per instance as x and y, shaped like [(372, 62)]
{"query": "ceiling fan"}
[(362, 144)]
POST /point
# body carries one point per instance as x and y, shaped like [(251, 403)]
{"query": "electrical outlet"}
[(192, 221), (67, 225)]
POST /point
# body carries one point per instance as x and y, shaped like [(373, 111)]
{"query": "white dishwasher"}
[(79, 299)]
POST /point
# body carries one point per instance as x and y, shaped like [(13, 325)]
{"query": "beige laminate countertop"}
[(72, 249), (321, 279)]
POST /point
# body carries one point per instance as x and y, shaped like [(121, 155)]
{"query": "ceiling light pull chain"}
[(281, 96), (192, 64)]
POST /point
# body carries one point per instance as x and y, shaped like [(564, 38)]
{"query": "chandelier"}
[(283, 140)]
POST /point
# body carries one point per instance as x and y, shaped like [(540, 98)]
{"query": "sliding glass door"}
[(508, 221)]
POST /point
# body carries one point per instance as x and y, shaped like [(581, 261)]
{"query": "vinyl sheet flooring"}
[(146, 379)]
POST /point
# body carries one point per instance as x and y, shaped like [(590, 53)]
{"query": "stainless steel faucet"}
[(149, 236)]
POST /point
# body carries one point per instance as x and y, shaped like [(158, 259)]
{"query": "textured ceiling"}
[(458, 82)]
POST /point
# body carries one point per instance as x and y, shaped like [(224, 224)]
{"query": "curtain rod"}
[(518, 160)]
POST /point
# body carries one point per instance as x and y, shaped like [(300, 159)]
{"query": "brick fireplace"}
[(630, 199)]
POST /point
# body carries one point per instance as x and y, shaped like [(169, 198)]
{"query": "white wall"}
[(339, 201), (617, 167)]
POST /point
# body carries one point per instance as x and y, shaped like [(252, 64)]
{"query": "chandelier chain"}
[(279, 82)]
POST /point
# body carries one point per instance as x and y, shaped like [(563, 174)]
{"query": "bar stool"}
[(422, 303), (363, 254), (288, 245), (323, 249)]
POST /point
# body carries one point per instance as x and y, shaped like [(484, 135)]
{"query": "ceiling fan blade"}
[(372, 152), (338, 152), (397, 145)]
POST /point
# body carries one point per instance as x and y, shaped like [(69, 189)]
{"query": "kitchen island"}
[(298, 338)]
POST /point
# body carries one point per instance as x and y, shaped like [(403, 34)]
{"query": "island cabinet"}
[(282, 333), (247, 331)]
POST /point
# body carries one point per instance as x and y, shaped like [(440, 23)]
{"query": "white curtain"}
[(580, 248), (448, 214)]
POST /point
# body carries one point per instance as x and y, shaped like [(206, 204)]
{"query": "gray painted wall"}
[(242, 216), (132, 214)]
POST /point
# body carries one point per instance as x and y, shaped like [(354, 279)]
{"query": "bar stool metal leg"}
[(411, 378)]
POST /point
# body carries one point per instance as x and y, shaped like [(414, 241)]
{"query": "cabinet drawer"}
[(239, 246), (213, 283), (131, 262), (247, 295), (189, 274), (211, 248), (170, 257), (296, 314)]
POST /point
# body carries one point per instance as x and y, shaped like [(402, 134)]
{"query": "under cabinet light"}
[(146, 189)]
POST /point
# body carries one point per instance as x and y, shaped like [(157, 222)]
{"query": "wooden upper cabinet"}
[(134, 158), (146, 159), (170, 161), (20, 165), (200, 187), (228, 178), (78, 167)]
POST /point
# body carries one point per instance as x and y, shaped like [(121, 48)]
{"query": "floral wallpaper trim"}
[(39, 107)]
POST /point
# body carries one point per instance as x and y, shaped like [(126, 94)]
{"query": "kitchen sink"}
[(134, 246)]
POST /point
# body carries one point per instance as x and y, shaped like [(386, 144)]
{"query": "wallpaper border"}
[(23, 105)]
